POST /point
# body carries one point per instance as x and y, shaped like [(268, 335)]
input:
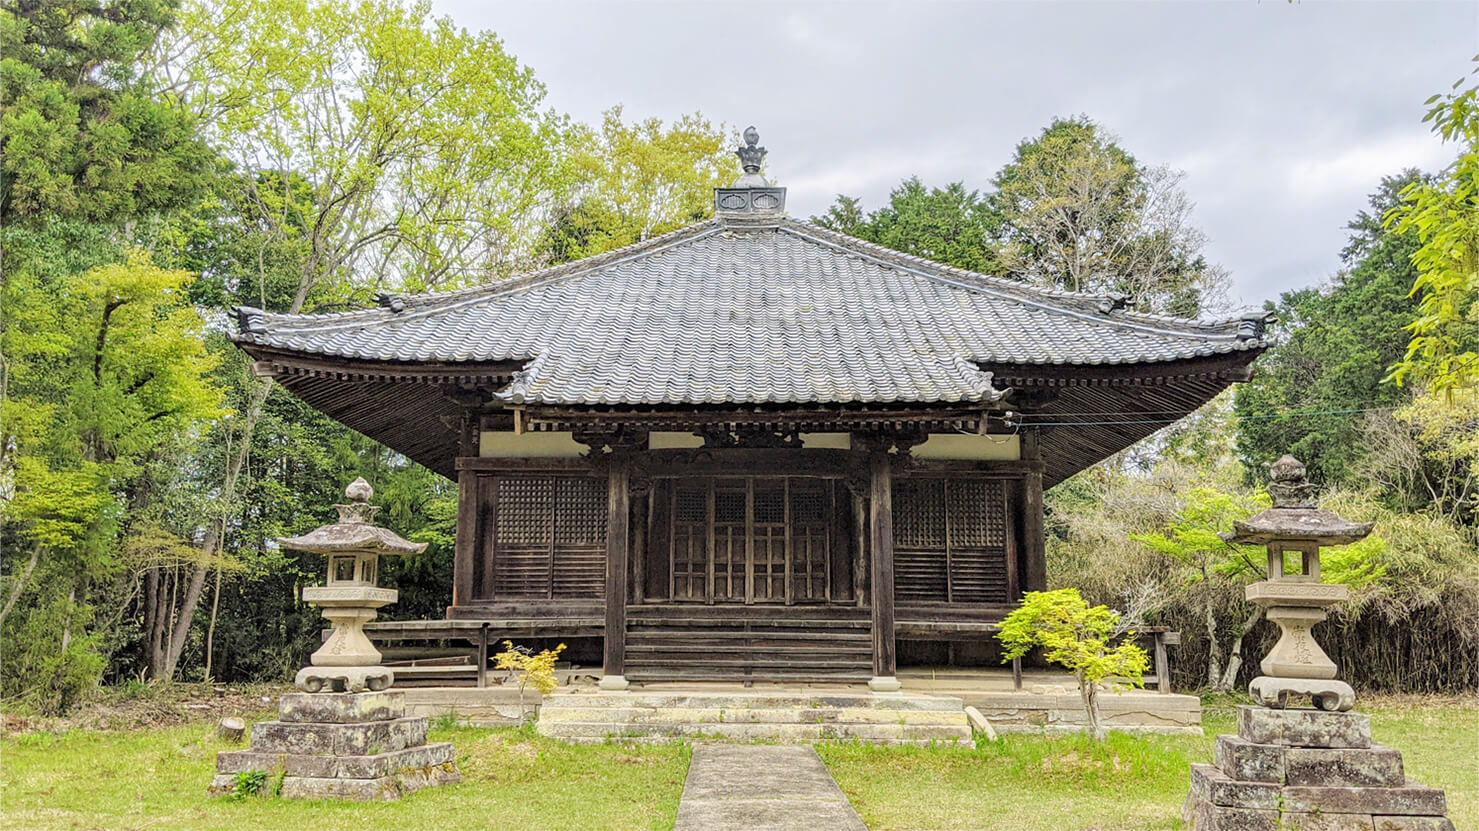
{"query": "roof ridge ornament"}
[(751, 156), (751, 193)]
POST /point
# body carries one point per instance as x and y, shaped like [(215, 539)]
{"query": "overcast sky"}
[(1283, 116)]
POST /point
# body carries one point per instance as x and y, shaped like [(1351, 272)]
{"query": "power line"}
[(1124, 422)]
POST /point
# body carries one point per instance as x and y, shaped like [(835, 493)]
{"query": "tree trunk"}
[(214, 537), (1214, 653), (210, 632), (21, 582), (156, 631), (1235, 655), (1089, 692), (67, 627)]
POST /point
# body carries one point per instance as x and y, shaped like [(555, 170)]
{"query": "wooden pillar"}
[(1034, 574), (617, 569), (467, 537), (465, 549), (881, 562), (483, 656)]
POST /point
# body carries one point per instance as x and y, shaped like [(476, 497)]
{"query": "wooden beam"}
[(881, 560), (467, 538), (1034, 572), (617, 568)]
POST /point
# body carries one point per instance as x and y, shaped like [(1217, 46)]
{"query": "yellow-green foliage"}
[(1074, 634), (529, 667), (1445, 216)]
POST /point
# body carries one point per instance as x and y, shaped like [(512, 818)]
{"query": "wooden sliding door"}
[(753, 539)]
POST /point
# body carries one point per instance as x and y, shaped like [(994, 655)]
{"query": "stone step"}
[(1304, 728), (365, 739), (749, 715), (873, 733), (1374, 766), (757, 700), (336, 767)]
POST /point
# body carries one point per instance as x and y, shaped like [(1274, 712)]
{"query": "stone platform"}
[(1048, 701), (875, 718), (1309, 770), (340, 745)]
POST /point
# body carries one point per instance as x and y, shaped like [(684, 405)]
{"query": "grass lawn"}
[(510, 779), (156, 778), (1032, 783)]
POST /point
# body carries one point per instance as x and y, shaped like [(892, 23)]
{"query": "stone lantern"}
[(1290, 767), (347, 661), (1294, 597)]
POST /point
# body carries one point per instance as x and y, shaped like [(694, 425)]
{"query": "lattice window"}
[(580, 512), (729, 507), (808, 506), (950, 540), (524, 510), (977, 514), (919, 514), (770, 506), (691, 505), (551, 537)]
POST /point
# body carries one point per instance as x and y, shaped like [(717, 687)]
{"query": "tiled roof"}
[(748, 311)]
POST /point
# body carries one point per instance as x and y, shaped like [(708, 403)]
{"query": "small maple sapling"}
[(1077, 636)]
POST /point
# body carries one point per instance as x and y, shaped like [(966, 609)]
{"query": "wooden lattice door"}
[(750, 539)]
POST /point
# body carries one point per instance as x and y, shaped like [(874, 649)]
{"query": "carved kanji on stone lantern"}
[(1296, 600), (354, 546)]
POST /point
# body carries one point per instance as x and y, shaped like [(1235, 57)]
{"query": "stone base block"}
[(341, 708), (314, 679), (1326, 822), (387, 787), (336, 767), (1303, 728), (1373, 767), (1326, 694), (1204, 816), (1369, 767), (365, 739), (1411, 799), (1208, 784), (1412, 823), (1249, 762)]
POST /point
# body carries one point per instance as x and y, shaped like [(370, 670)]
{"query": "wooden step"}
[(733, 649)]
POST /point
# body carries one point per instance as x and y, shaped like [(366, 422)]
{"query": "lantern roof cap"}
[(355, 532), (1294, 516)]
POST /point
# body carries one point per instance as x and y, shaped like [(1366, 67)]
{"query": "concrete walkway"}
[(762, 788)]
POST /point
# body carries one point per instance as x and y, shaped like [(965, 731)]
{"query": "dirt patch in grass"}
[(138, 707)]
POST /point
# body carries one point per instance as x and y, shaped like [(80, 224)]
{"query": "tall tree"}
[(949, 225), (379, 146), (635, 181), (83, 133), (104, 370), (1334, 344), (1078, 212), (1444, 214)]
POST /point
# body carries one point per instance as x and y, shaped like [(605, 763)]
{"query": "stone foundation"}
[(340, 745), (1309, 770)]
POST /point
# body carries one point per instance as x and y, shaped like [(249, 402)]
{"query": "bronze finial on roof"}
[(751, 156), (751, 192)]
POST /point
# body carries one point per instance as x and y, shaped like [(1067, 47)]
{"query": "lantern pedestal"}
[(341, 745), (348, 661)]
